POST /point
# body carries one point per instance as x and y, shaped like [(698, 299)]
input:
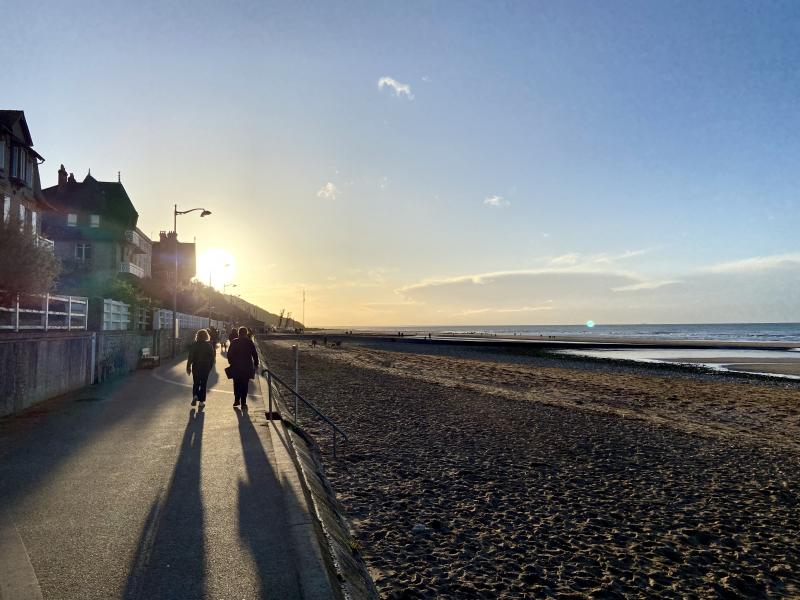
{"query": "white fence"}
[(162, 319), (44, 311), (116, 315)]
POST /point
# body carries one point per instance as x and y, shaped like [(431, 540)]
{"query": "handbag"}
[(229, 372)]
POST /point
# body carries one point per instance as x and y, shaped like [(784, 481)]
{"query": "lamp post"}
[(175, 214)]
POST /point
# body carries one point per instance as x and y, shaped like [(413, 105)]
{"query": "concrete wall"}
[(36, 366)]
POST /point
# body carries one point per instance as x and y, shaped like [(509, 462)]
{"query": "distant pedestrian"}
[(199, 364), (243, 360)]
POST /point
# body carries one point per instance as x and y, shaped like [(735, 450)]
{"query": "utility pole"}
[(304, 309)]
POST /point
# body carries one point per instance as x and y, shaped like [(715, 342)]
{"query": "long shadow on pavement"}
[(262, 517), (170, 558), (34, 444)]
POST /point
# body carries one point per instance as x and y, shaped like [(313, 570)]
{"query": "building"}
[(93, 226), (164, 259), (20, 188)]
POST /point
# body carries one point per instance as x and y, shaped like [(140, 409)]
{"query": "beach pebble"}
[(419, 529)]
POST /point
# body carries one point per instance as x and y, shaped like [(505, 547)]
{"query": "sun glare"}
[(217, 266)]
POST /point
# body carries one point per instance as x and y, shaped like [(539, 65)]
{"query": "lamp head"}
[(205, 213)]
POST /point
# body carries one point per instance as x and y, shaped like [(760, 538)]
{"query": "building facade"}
[(93, 226), (164, 259), (20, 188)]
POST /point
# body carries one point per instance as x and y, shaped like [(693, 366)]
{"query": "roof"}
[(10, 118), (105, 198)]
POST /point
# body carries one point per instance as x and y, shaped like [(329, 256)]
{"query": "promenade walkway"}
[(125, 491)]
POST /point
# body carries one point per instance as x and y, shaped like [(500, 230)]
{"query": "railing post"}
[(69, 313), (296, 351), (46, 311), (269, 392), (16, 314), (333, 429)]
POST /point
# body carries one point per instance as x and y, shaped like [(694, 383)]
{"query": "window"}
[(22, 217), (34, 218), (6, 208), (2, 154), (29, 172), (83, 252), (72, 220), (94, 220), (18, 162)]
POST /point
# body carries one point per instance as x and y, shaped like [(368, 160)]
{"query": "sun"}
[(217, 266)]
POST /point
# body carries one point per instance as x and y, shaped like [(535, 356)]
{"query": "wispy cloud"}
[(547, 305), (400, 89), (328, 191), (496, 201), (757, 263), (645, 285)]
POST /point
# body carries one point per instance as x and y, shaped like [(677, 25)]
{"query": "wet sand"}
[(473, 476)]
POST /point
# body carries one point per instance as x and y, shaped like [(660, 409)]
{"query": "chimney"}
[(62, 177), (71, 178)]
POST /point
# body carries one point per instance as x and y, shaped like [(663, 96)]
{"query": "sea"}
[(725, 332)]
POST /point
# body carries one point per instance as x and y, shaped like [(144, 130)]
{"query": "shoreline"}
[(588, 341)]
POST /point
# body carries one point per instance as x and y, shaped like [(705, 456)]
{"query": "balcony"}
[(135, 240), (43, 242), (132, 269)]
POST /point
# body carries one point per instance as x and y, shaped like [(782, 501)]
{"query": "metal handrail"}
[(334, 427)]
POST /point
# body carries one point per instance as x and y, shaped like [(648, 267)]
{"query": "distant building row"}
[(90, 225)]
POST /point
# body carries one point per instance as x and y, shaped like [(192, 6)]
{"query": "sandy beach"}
[(488, 475)]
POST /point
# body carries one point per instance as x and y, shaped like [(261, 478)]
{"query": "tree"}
[(25, 268)]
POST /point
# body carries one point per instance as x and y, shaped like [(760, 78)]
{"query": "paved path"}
[(124, 491)]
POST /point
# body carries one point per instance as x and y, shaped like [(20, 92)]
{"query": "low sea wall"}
[(36, 366), (341, 553)]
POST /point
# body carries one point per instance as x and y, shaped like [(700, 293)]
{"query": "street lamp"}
[(227, 285), (175, 214)]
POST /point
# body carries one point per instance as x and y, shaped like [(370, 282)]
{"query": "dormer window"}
[(94, 221), (72, 220)]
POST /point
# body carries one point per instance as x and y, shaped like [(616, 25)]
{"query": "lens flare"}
[(590, 324)]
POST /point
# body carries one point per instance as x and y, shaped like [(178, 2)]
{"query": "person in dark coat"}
[(199, 364), (243, 359)]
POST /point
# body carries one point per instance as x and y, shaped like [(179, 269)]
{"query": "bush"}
[(24, 267)]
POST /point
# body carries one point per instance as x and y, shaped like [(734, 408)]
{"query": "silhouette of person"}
[(198, 365), (243, 360)]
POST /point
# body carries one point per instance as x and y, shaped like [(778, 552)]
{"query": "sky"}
[(413, 163)]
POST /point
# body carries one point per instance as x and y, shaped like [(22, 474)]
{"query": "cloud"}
[(645, 285), (572, 288), (477, 311), (328, 191), (400, 89), (496, 201), (565, 260), (757, 263)]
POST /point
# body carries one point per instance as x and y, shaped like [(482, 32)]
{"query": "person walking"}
[(198, 365), (243, 360)]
